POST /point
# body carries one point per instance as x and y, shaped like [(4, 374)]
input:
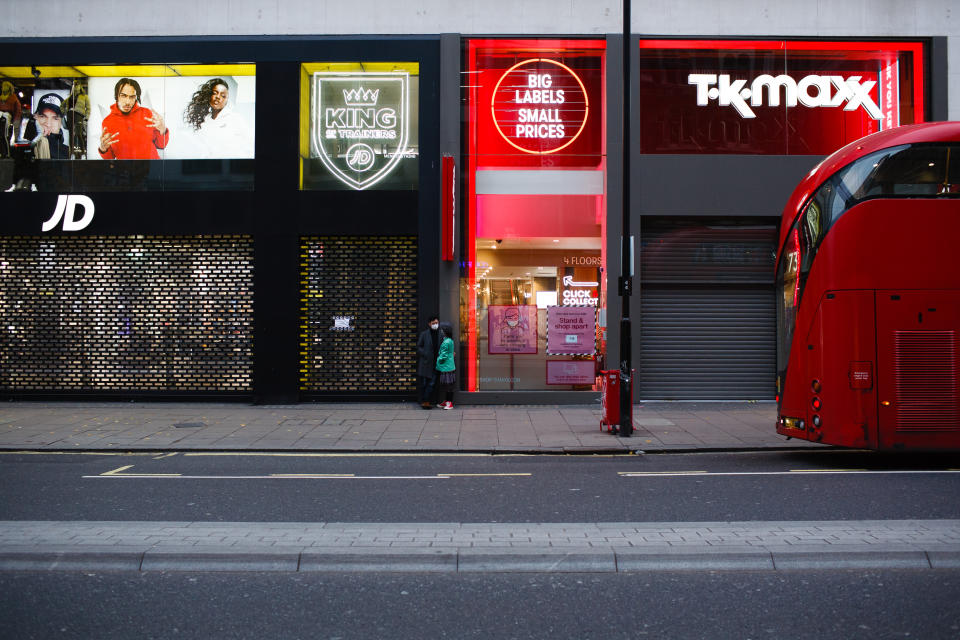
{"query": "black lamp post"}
[(625, 281)]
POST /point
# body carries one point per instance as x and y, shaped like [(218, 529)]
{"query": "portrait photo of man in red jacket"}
[(131, 131)]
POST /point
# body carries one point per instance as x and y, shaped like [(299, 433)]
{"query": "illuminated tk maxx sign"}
[(765, 90)]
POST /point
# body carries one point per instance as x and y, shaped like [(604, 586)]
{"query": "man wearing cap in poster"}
[(131, 131), (49, 144)]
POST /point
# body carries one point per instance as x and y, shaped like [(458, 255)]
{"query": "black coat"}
[(427, 353)]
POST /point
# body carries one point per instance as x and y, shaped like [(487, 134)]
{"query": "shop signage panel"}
[(571, 330), (578, 372), (360, 124), (776, 97), (512, 329)]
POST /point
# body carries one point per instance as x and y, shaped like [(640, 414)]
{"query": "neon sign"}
[(540, 106), (811, 91), (360, 124)]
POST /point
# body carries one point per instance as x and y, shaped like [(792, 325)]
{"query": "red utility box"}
[(610, 398)]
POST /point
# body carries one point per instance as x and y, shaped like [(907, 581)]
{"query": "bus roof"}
[(907, 134)]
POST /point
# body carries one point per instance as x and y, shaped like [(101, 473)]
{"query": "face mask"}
[(435, 326)]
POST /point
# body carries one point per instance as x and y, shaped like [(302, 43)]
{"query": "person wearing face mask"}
[(428, 348)]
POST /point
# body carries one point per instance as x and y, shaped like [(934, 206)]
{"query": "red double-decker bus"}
[(868, 295)]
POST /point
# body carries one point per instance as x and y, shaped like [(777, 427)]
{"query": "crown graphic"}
[(361, 97)]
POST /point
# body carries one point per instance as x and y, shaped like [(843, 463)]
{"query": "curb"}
[(470, 560), (495, 451)]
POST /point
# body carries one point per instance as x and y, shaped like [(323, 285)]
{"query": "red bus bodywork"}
[(874, 359)]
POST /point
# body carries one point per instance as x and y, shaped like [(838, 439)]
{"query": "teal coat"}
[(445, 359)]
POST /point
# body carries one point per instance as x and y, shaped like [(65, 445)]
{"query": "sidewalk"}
[(464, 547), (659, 426)]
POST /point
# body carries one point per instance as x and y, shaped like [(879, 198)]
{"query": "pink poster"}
[(571, 372), (512, 328), (571, 330)]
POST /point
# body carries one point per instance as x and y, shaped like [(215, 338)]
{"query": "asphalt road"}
[(808, 485), (846, 605)]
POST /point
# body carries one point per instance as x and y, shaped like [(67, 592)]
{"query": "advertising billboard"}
[(59, 125)]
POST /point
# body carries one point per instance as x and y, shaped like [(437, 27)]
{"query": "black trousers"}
[(427, 387)]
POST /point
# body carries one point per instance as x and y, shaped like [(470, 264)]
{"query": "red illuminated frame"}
[(448, 221), (892, 49), (526, 48)]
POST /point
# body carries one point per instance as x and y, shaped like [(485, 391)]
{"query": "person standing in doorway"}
[(428, 348), (446, 368)]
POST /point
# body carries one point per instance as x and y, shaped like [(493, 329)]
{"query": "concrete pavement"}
[(467, 547), (660, 426)]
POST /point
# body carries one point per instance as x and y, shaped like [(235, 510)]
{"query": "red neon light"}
[(448, 226), (506, 105)]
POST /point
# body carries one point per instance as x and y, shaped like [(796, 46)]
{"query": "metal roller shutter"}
[(716, 343), (708, 321)]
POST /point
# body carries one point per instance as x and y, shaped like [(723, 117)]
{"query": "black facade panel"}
[(692, 185)]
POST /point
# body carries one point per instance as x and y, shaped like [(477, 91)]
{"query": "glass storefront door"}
[(533, 287)]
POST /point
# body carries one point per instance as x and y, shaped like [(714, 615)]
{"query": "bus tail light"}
[(793, 423), (816, 421), (815, 385), (816, 404)]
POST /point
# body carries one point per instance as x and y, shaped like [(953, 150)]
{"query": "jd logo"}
[(66, 209), (360, 124)]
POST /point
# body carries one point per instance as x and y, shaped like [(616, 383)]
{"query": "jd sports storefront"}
[(252, 221)]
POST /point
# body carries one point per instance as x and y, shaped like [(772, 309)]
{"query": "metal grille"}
[(115, 314), (926, 380), (358, 328)]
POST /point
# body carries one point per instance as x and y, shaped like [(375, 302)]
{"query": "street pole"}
[(625, 428)]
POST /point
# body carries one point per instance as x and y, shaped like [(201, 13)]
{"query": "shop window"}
[(359, 125), (533, 291), (774, 97), (128, 128)]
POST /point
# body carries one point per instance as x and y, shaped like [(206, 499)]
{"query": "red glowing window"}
[(774, 97)]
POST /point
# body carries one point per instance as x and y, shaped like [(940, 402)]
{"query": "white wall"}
[(798, 18)]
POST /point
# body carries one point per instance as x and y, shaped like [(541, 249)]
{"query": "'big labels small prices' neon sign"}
[(540, 106)]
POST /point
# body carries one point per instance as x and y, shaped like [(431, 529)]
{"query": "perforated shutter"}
[(126, 314), (708, 321), (358, 329)]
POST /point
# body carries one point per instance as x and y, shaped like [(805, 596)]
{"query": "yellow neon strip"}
[(132, 70), (413, 68)]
